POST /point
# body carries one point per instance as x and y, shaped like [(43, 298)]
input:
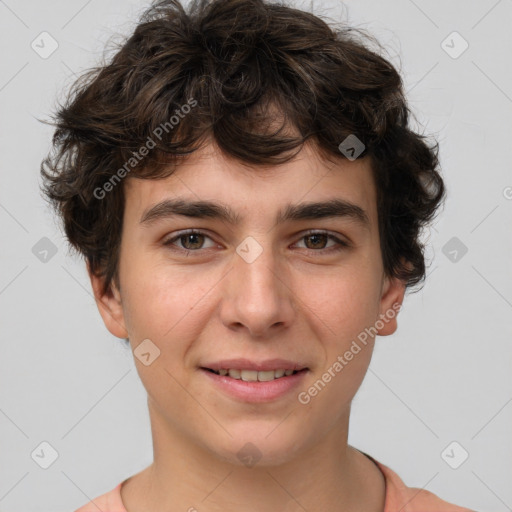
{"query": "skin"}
[(296, 301)]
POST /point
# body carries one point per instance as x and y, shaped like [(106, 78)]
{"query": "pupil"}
[(191, 237), (316, 237)]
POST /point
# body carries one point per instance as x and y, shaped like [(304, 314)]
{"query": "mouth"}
[(257, 382), (254, 375)]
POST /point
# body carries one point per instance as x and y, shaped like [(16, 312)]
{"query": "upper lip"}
[(247, 364)]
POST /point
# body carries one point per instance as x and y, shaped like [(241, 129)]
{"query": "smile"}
[(253, 375), (256, 385)]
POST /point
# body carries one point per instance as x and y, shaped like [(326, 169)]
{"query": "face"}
[(276, 285)]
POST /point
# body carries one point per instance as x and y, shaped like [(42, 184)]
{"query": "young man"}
[(248, 196)]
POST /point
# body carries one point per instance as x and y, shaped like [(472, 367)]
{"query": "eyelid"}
[(167, 241), (338, 237), (341, 241)]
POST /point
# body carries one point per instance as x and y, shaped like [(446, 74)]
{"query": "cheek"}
[(160, 302), (344, 310), (344, 303), (348, 310)]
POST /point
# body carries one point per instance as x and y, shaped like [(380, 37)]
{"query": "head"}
[(301, 253)]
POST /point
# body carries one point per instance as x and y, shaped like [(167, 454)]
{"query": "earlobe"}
[(109, 305), (391, 300)]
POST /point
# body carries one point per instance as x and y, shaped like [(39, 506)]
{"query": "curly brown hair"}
[(230, 62)]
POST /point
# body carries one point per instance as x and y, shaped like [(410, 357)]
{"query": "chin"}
[(259, 446)]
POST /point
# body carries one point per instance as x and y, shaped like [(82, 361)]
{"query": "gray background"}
[(444, 376)]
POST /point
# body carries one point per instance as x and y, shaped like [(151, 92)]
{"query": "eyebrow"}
[(292, 212)]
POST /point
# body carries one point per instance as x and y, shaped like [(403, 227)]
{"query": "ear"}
[(392, 296), (109, 305)]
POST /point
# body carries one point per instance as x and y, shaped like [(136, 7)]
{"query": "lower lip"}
[(256, 391)]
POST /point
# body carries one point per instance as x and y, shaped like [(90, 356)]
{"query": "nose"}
[(257, 296)]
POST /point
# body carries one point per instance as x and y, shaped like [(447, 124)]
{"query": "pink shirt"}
[(399, 497)]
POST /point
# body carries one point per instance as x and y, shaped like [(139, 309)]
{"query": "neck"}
[(328, 475)]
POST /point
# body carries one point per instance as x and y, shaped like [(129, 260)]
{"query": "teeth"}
[(249, 375), (266, 376), (235, 374), (255, 376)]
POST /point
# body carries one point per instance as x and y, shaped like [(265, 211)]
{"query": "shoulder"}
[(411, 499), (108, 502)]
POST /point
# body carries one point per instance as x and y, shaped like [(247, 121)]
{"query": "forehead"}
[(208, 174)]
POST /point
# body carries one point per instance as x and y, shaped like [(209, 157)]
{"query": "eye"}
[(317, 240), (193, 241), (190, 240)]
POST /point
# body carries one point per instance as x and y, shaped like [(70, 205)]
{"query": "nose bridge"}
[(258, 273), (257, 297)]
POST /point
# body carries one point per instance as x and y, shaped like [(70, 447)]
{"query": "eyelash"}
[(341, 245)]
